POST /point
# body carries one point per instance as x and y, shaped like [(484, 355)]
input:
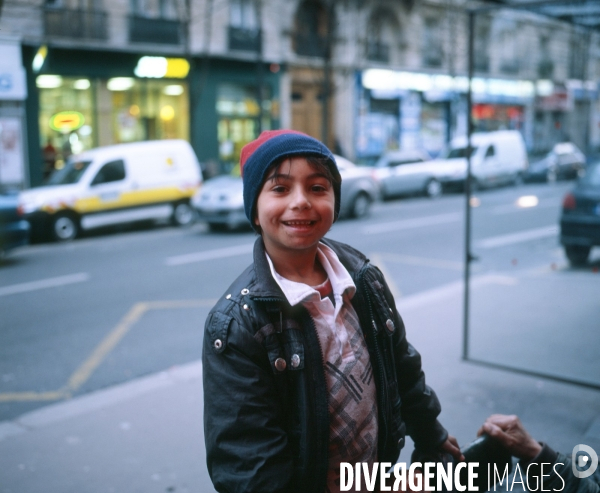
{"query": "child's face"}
[(295, 207)]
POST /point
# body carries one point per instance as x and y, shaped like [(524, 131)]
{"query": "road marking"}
[(85, 370), (32, 396), (520, 237), (432, 296), (378, 261), (500, 210), (210, 254), (417, 222), (422, 261), (52, 282)]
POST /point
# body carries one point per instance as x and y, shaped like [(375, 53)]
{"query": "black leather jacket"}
[(266, 421)]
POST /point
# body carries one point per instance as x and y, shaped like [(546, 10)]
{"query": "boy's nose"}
[(299, 199)]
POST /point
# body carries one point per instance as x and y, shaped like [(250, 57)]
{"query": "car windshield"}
[(459, 152), (592, 177), (70, 173)]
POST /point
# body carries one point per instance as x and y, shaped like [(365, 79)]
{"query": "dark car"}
[(14, 230), (564, 161), (580, 220)]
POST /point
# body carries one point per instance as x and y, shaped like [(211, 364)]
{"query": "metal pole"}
[(468, 256)]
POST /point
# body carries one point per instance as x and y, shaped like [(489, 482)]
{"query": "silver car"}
[(220, 200), (396, 175)]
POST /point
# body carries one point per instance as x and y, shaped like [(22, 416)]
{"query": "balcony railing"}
[(378, 52), (310, 45), (245, 39), (155, 31), (75, 23)]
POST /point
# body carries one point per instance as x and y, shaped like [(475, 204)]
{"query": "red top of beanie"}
[(250, 147)]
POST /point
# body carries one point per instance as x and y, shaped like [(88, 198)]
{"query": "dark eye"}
[(319, 188), (278, 189)]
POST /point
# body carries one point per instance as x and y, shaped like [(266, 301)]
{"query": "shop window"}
[(113, 171), (241, 118)]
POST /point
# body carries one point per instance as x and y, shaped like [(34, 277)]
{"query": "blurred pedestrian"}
[(49, 157), (305, 360)]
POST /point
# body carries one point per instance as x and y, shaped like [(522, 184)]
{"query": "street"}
[(102, 310), (103, 336)]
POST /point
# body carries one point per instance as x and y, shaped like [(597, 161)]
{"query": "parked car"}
[(220, 202), (497, 158), (564, 161), (14, 229), (115, 185), (396, 176), (580, 219)]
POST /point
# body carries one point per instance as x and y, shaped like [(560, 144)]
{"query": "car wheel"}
[(518, 179), (360, 206), (183, 214), (65, 227), (551, 175), (577, 254), (433, 188)]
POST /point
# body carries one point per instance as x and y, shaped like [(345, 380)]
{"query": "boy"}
[(306, 362)]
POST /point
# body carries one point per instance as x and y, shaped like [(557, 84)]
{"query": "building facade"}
[(363, 75)]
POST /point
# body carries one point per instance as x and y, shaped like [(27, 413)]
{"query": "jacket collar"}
[(267, 287)]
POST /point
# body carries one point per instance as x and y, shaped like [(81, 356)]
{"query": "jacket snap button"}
[(218, 344), (295, 360), (280, 364), (245, 292), (390, 325), (391, 311), (246, 307), (228, 296)]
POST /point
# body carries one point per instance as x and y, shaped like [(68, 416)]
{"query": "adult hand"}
[(451, 446), (509, 431)]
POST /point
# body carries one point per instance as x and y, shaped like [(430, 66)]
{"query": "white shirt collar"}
[(341, 282)]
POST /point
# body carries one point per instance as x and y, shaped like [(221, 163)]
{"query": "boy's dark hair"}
[(318, 163), (271, 149)]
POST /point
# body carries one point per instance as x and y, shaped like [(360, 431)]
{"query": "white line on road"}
[(520, 237), (190, 258), (416, 222), (52, 282)]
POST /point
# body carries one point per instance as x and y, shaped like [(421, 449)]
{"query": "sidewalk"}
[(146, 435)]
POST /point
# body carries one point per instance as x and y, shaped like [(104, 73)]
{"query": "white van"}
[(497, 158), (113, 185)]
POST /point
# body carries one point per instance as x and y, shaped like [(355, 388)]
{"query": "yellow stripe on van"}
[(132, 198)]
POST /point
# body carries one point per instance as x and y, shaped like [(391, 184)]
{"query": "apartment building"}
[(363, 75)]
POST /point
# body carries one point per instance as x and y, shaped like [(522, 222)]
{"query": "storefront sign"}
[(157, 67), (66, 121)]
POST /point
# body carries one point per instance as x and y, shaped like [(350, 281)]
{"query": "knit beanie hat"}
[(270, 147)]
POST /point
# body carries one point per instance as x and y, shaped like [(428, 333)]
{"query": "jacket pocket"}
[(285, 347)]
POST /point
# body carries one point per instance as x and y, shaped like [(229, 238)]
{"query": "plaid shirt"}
[(348, 372)]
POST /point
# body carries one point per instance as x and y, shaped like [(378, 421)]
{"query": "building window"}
[(545, 67), (433, 54), (579, 53), (509, 39), (310, 36), (481, 59), (244, 26), (382, 32)]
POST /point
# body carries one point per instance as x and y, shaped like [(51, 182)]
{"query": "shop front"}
[(409, 110), (89, 99)]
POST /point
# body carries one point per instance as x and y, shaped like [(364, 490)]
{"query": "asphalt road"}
[(111, 307)]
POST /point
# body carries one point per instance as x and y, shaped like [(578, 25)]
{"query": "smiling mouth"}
[(299, 223)]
